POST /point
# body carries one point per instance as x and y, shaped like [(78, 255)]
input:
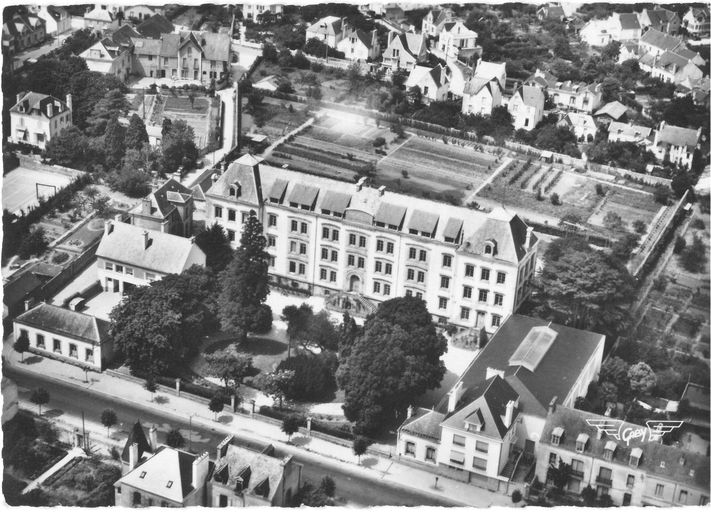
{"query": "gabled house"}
[(459, 74), (597, 33), (330, 30), (168, 209), (626, 26), (360, 45), (698, 89), (672, 66), (258, 12), (661, 19), (609, 112), (582, 125), (130, 256), (625, 132), (140, 13), (404, 51), (101, 17), (57, 19), (676, 144), (696, 21), (434, 20), (655, 42), (483, 92), (36, 118), (628, 50), (433, 82), (550, 12), (22, 31), (526, 107), (576, 96), (618, 27), (109, 58), (457, 41)]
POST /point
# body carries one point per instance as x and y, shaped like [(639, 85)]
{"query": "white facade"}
[(250, 11), (37, 118), (456, 39), (696, 21), (526, 108), (328, 29), (433, 82), (57, 22), (360, 45), (110, 61), (484, 100)]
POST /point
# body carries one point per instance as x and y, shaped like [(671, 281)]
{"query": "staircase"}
[(510, 467), (352, 303)]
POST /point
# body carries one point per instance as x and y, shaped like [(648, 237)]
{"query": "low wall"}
[(34, 163)]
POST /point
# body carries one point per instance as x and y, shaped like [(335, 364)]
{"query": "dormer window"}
[(556, 436), (235, 189), (609, 451), (581, 442), (635, 456), (490, 247)]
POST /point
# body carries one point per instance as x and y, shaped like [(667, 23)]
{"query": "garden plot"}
[(630, 205), (196, 114)]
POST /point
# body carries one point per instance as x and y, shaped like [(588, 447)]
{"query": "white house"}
[(36, 118), (526, 107), (67, 335), (360, 45), (109, 58), (576, 96), (433, 82), (254, 11), (597, 33), (57, 19), (456, 41), (459, 74), (434, 20), (130, 256), (404, 51), (142, 12), (582, 125), (329, 30), (625, 132), (483, 92), (676, 143), (660, 19), (673, 66), (101, 17), (696, 21), (655, 42)]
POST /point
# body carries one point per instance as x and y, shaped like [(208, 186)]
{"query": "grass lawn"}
[(266, 353), (182, 104)]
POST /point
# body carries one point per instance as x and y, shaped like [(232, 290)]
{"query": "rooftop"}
[(66, 322), (614, 109), (677, 136), (257, 473), (167, 474)]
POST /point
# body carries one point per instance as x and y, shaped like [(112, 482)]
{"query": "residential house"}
[(457, 41), (628, 50), (109, 58), (254, 11), (155, 26), (655, 42), (434, 20), (697, 395), (597, 33), (459, 73), (609, 112), (625, 132), (632, 470), (247, 478), (140, 13), (483, 92), (626, 26), (526, 107), (124, 35), (69, 336), (550, 12), (101, 17), (486, 429), (36, 118), (21, 32), (147, 57), (360, 45), (130, 256), (168, 209), (673, 66), (582, 125), (698, 90), (576, 96), (433, 82), (269, 83), (676, 144), (661, 19), (404, 51), (330, 30), (367, 245), (696, 21), (57, 19)]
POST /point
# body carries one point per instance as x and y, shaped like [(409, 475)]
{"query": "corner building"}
[(359, 245)]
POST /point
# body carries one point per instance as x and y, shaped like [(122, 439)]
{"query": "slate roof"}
[(424, 423), (365, 37), (579, 120), (490, 70), (423, 221), (37, 102), (261, 473), (566, 358), (328, 25), (419, 73), (657, 39), (614, 109), (277, 190), (335, 201), (531, 95), (659, 17), (629, 130), (166, 254), (677, 136), (475, 84), (135, 435), (453, 228), (161, 203), (73, 324), (484, 403), (154, 26), (20, 288), (542, 79), (390, 214), (165, 466), (509, 232), (678, 463), (629, 21), (215, 46), (146, 46), (124, 34), (303, 195), (56, 11), (169, 45)]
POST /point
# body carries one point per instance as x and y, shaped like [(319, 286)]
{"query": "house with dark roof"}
[(168, 209), (697, 21), (483, 91), (660, 19), (656, 42), (66, 335), (625, 132), (674, 66), (574, 96), (22, 31), (456, 41), (404, 51), (621, 460), (130, 256), (582, 125), (609, 112), (36, 118), (676, 143), (459, 73), (526, 107), (434, 20), (57, 18), (550, 11), (486, 429), (155, 26), (432, 82), (109, 58), (360, 45), (329, 29)]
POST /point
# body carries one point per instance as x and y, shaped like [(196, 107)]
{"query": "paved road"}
[(67, 400)]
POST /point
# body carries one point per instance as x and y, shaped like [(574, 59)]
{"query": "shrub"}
[(379, 141), (405, 174), (263, 320), (599, 189), (60, 257), (662, 194), (698, 224), (679, 244), (314, 376), (639, 226), (516, 496), (33, 244), (555, 199)]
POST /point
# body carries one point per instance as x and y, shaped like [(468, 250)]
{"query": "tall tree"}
[(348, 332), (217, 403), (22, 345), (68, 148), (179, 147), (642, 378), (216, 246), (136, 134), (290, 425), (245, 282), (360, 446), (114, 142), (113, 104), (275, 384), (108, 419), (87, 89), (229, 367), (174, 438), (40, 397)]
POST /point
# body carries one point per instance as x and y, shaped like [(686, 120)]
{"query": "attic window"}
[(635, 457), (490, 247), (609, 450), (581, 442), (235, 189), (169, 484), (143, 474), (556, 436)]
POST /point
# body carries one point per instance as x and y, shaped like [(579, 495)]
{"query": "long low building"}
[(359, 245)]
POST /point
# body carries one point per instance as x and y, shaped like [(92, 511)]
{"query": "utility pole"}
[(83, 431)]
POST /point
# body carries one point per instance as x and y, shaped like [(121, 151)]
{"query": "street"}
[(67, 401)]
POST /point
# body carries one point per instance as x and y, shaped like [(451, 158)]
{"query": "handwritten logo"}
[(616, 429)]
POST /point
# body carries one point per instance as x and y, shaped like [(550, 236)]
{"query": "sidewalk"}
[(377, 468)]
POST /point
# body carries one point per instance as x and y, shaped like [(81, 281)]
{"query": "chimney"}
[(508, 419), (454, 395), (361, 182), (381, 190), (19, 97), (222, 447), (153, 438), (108, 227), (192, 240), (28, 304), (529, 232), (132, 456), (50, 110), (410, 411), (551, 405), (146, 206), (201, 465), (146, 240), (118, 217)]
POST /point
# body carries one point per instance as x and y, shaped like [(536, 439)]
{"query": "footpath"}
[(387, 470)]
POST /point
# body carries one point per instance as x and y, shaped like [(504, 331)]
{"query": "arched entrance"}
[(354, 284)]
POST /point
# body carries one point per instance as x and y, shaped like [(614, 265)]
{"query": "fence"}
[(35, 164)]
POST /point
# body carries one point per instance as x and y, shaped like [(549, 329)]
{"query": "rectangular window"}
[(410, 448), (272, 220), (469, 270), (423, 255), (418, 295), (231, 235), (410, 274), (446, 260), (292, 267), (464, 313), (325, 233), (334, 235), (659, 490), (57, 346), (495, 320), (483, 295), (129, 271), (40, 340), (351, 239), (302, 249), (500, 278), (304, 228), (292, 247), (351, 260), (456, 457), (420, 277), (413, 253), (443, 303), (218, 212), (467, 292), (683, 495), (484, 274), (361, 241), (334, 255), (479, 464), (302, 269), (482, 447), (245, 216), (390, 248), (444, 282), (376, 287), (388, 269), (553, 459), (378, 266), (150, 277), (630, 480), (361, 262), (73, 352), (498, 299), (119, 268), (272, 261), (324, 253), (379, 245), (386, 289), (294, 226), (458, 440), (271, 241), (231, 215), (430, 454)]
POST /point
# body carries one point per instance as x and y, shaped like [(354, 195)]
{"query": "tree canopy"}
[(214, 243), (179, 147), (136, 134)]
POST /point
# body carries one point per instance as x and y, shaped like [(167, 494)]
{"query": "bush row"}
[(520, 172), (536, 185), (553, 182), (326, 152), (341, 431), (309, 155), (526, 179)]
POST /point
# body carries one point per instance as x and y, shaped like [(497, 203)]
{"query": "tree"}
[(22, 345), (360, 446), (166, 126), (136, 134), (175, 439), (113, 104), (131, 181), (39, 397), (395, 360), (609, 392), (108, 419), (245, 281), (348, 331), (314, 376), (516, 496), (483, 338), (191, 98), (114, 142), (614, 370), (229, 366), (217, 403), (214, 243), (613, 221), (34, 244), (560, 475), (662, 194), (639, 226), (150, 384), (68, 148), (679, 244), (290, 425), (328, 485), (641, 377), (681, 182), (275, 384), (623, 247), (179, 149), (693, 257)]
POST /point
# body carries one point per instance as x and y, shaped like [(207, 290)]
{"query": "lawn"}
[(182, 104), (266, 353)]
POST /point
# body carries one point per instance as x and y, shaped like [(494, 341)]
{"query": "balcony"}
[(603, 481), (577, 474)]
